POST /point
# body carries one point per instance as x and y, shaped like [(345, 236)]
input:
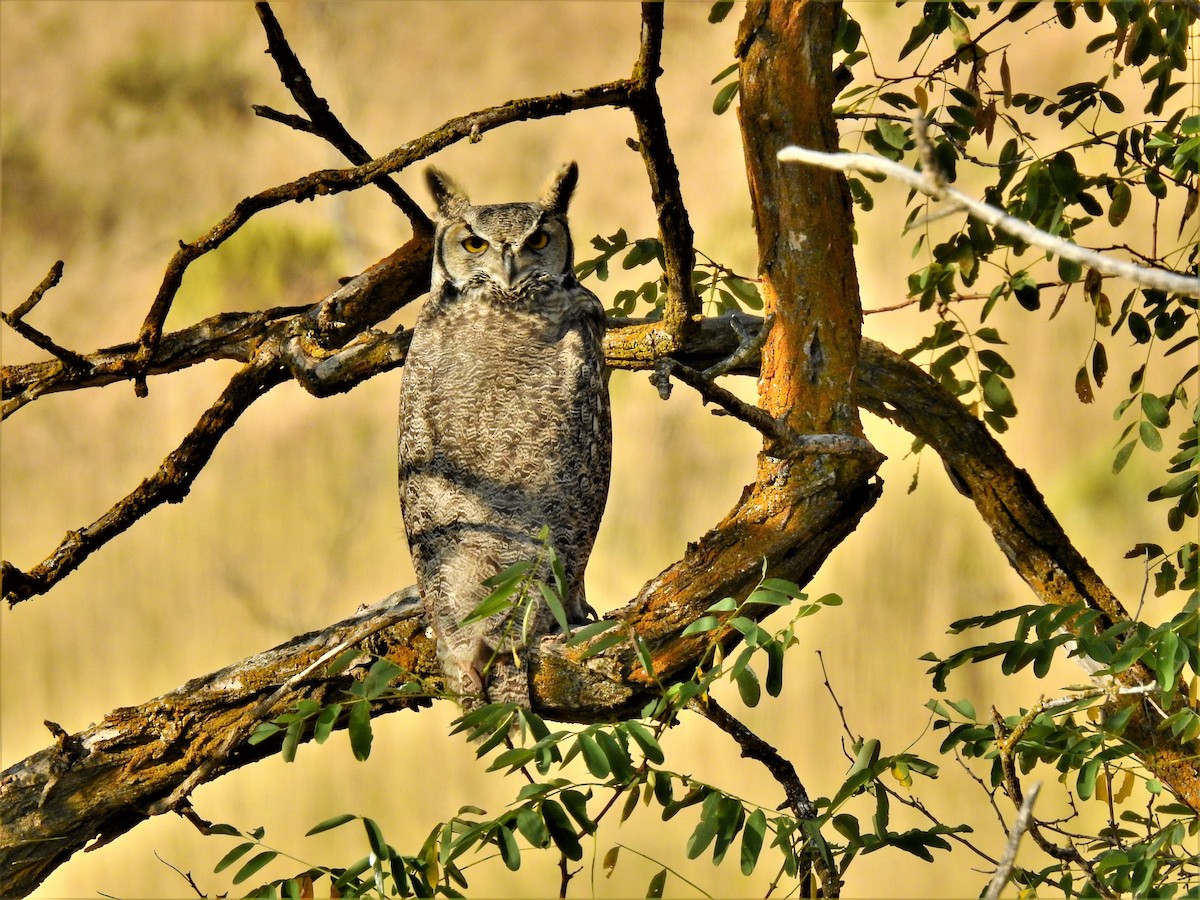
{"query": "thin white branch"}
[(931, 186), (1020, 826)]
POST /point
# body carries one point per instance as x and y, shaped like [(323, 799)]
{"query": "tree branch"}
[(930, 183), (726, 562), (754, 747), (321, 121), (101, 782), (332, 181), (1019, 827), (682, 308), (293, 347), (68, 360)]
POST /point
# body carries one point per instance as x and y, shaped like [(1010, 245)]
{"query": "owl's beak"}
[(508, 258)]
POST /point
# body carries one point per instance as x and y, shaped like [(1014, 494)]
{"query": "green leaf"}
[(643, 654), (375, 838), (617, 756), (576, 805), (1119, 208), (262, 732), (556, 607), (342, 661), (701, 625), (725, 97), (752, 840), (745, 291), (748, 687), (657, 883), (860, 773), (531, 826), (1168, 661), (646, 741), (706, 829), (255, 864), (325, 721), (1122, 456), (359, 727), (1155, 184), (1150, 436), (233, 856), (997, 395), (1069, 271), (1155, 411), (774, 681), (331, 823), (716, 14), (593, 756), (1086, 782), (1099, 364), (965, 708), (291, 741), (730, 817), (893, 134), (510, 853), (561, 830), (511, 574)]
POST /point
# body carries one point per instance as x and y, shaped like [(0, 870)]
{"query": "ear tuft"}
[(558, 196), (449, 198)]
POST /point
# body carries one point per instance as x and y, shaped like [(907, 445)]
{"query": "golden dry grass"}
[(125, 128)]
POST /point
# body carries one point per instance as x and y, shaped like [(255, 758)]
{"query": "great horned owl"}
[(504, 426)]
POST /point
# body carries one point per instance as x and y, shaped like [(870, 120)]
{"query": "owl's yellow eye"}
[(474, 244), (538, 240)]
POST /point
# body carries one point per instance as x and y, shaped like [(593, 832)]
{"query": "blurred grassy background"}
[(126, 127)]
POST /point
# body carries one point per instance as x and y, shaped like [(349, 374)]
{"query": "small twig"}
[(928, 182), (400, 604), (321, 120), (750, 344), (15, 321), (754, 747), (53, 277), (836, 702), (1004, 870), (186, 876), (1012, 785), (783, 442)]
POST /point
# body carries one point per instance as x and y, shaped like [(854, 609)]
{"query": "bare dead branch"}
[(53, 277), (781, 441), (98, 784), (294, 346), (398, 607), (1019, 827), (333, 181), (170, 483), (682, 308), (15, 321), (227, 335), (321, 120), (754, 747), (342, 316)]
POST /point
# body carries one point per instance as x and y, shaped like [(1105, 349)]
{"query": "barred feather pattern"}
[(505, 427)]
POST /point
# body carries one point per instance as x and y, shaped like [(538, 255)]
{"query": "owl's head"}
[(503, 244)]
